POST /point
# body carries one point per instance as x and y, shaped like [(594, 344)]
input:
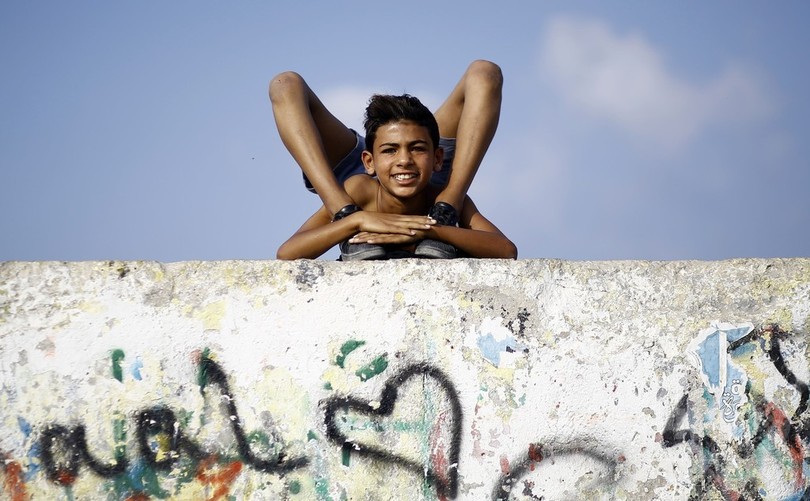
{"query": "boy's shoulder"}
[(362, 188)]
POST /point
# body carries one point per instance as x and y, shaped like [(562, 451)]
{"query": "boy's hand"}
[(388, 238), (394, 224)]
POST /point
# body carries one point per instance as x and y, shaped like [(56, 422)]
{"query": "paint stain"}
[(780, 420), (65, 478), (492, 348), (202, 372), (347, 347), (117, 356), (295, 487), (25, 426), (14, 484), (373, 368), (505, 468), (212, 315), (346, 454), (438, 459), (135, 369), (218, 476), (535, 454), (120, 436)]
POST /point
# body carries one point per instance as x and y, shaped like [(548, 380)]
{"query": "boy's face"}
[(403, 158)]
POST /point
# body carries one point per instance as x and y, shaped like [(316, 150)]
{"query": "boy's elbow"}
[(511, 251), (283, 253)]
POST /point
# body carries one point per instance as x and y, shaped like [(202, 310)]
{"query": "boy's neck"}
[(419, 204)]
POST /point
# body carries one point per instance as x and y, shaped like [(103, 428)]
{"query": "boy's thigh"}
[(348, 166)]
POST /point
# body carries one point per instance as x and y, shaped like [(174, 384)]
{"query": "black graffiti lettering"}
[(65, 449), (446, 481), (280, 464), (535, 455), (162, 421)]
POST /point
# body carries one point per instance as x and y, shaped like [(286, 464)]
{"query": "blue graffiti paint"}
[(34, 453), (492, 348), (24, 425), (135, 368), (709, 354), (712, 351)]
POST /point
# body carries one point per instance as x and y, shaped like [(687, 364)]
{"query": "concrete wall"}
[(467, 379)]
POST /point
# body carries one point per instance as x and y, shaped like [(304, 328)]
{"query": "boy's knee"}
[(486, 72), (285, 83)]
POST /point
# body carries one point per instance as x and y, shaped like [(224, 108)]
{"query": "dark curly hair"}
[(383, 109)]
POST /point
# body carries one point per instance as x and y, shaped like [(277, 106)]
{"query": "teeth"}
[(402, 177)]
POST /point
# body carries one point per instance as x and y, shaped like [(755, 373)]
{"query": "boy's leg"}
[(470, 114), (313, 136)]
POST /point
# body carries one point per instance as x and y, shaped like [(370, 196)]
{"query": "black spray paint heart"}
[(442, 470)]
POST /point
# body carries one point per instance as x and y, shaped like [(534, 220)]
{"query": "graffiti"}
[(442, 467), (731, 401), (64, 450), (766, 424), (536, 454), (412, 422), (14, 485)]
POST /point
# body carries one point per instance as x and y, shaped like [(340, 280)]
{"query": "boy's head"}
[(384, 109)]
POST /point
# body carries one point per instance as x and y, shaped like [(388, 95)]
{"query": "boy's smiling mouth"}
[(405, 176)]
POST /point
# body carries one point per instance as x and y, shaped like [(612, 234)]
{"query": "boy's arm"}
[(319, 234), (316, 236), (476, 236)]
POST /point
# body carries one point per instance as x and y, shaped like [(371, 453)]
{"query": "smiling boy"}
[(401, 157)]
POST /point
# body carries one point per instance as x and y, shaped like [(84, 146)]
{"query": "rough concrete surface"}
[(464, 379)]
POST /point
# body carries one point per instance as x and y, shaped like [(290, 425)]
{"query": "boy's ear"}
[(368, 162), (439, 157)]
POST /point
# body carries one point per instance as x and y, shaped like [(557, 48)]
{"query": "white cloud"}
[(348, 104), (625, 79)]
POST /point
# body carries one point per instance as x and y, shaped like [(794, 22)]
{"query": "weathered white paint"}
[(565, 375)]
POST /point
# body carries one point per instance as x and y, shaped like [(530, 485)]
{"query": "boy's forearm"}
[(476, 243), (312, 243)]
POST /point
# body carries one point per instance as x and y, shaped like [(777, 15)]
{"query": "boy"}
[(329, 153)]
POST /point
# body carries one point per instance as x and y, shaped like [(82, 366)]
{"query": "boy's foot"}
[(445, 215), (433, 249), (360, 252), (356, 252)]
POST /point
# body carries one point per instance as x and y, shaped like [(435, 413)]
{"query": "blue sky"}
[(629, 130)]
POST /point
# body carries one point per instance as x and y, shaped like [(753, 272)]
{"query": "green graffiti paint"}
[(151, 484), (118, 373), (322, 490), (295, 487), (311, 436), (348, 347), (202, 373), (263, 444), (373, 368), (346, 455), (120, 437)]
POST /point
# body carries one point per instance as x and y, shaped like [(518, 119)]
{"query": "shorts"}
[(352, 163)]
